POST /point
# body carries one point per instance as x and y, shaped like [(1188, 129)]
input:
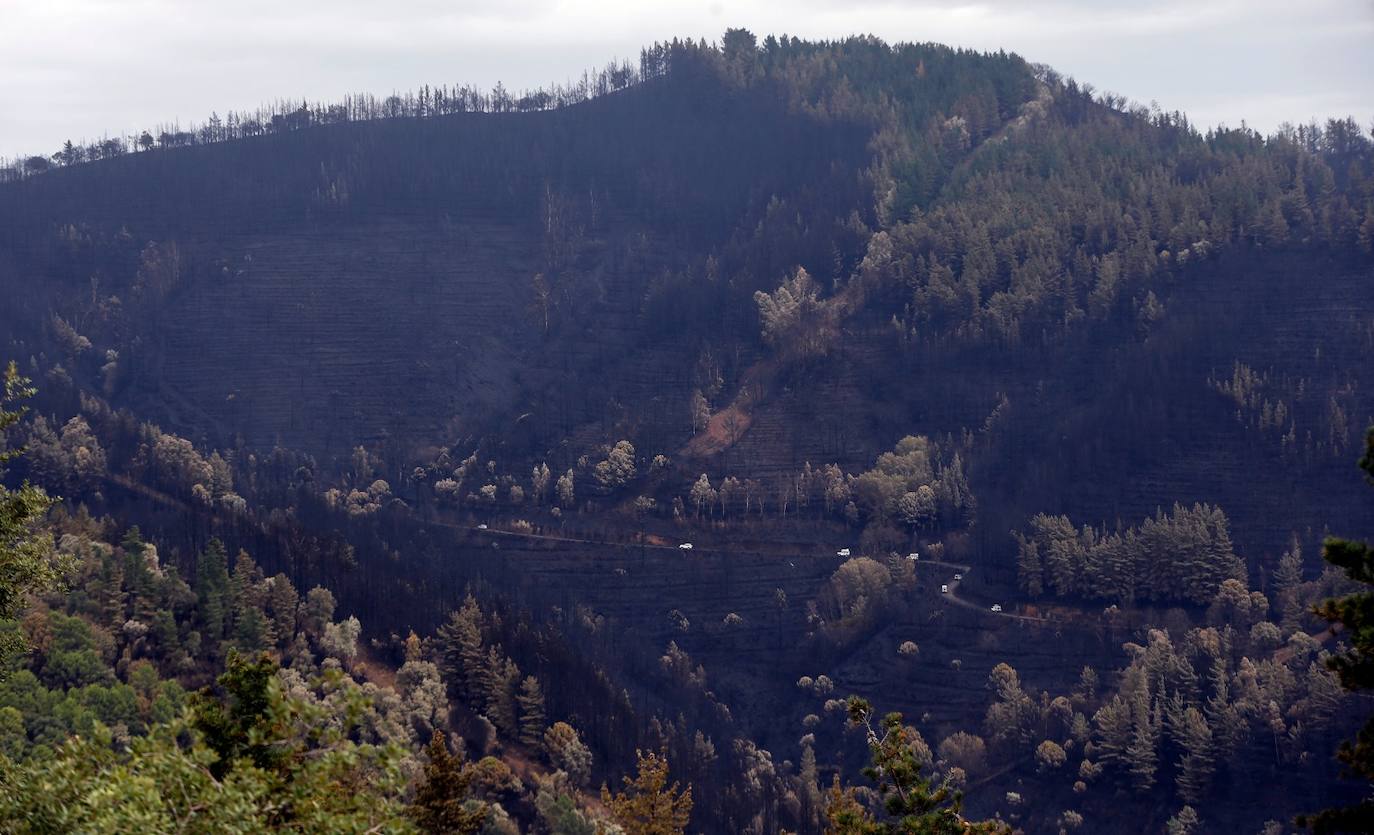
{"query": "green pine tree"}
[(26, 552), (441, 799), (1354, 613), (236, 717), (913, 805), (462, 656), (503, 677), (212, 592), (531, 701)]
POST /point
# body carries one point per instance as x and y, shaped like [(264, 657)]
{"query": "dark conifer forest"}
[(766, 436)]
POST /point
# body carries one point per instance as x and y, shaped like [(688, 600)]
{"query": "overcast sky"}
[(85, 68)]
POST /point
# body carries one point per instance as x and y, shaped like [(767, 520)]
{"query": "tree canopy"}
[(1354, 613)]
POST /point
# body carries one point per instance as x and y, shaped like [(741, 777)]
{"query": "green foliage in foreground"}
[(441, 803), (913, 805), (1355, 612), (25, 550), (243, 759)]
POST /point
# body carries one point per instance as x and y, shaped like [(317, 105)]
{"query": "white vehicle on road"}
[(958, 577), (482, 526), (843, 552), (944, 589), (686, 546), (997, 607), (913, 556)]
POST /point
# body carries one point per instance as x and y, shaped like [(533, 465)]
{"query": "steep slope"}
[(392, 264), (970, 288)]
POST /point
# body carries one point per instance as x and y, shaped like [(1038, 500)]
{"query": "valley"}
[(1016, 409)]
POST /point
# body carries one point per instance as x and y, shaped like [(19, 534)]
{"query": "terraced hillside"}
[(424, 280), (777, 300), (344, 335)]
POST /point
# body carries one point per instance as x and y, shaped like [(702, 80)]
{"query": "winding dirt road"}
[(952, 596)]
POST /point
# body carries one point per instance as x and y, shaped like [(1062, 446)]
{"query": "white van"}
[(944, 589)]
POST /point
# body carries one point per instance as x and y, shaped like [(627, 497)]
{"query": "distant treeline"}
[(988, 86), (426, 102)]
